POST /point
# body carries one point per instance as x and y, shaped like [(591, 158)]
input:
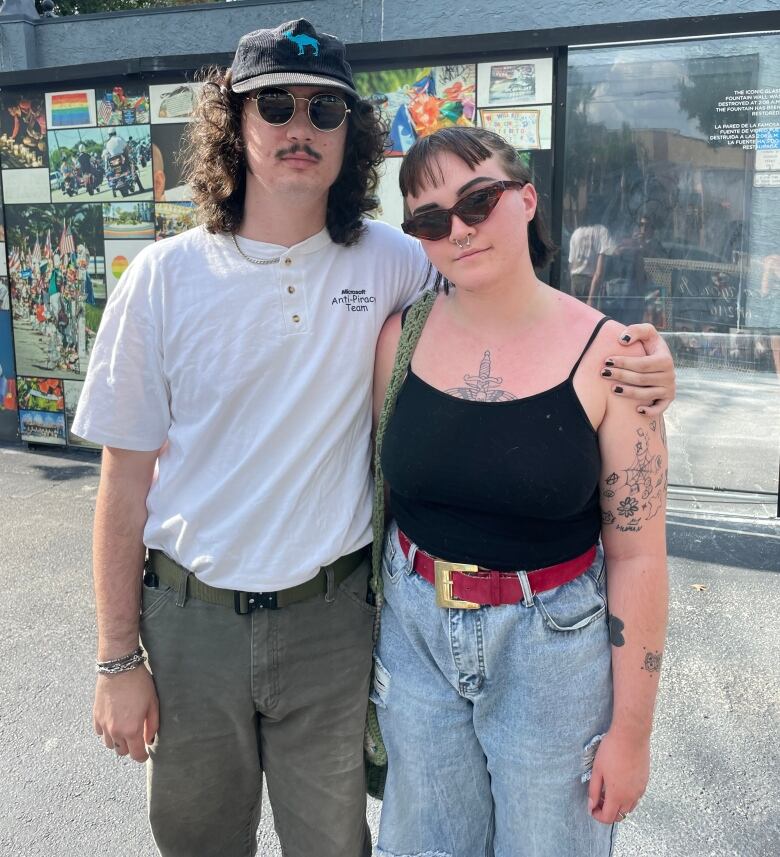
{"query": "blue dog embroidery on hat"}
[(303, 41)]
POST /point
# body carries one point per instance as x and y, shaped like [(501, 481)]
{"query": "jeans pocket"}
[(572, 606), (380, 685), (355, 588), (393, 559)]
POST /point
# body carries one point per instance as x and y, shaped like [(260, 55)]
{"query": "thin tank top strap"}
[(593, 335)]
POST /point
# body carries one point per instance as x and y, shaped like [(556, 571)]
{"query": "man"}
[(230, 386), (587, 248)]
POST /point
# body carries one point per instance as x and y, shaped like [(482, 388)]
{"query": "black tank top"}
[(505, 485)]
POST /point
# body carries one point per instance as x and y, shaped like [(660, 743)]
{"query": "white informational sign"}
[(523, 128), (766, 179)]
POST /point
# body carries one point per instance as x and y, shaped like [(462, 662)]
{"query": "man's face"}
[(295, 159)]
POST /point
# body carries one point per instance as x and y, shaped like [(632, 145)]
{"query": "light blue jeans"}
[(491, 719)]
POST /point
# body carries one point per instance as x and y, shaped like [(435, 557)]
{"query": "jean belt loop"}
[(411, 555), (181, 593), (528, 598), (330, 591)]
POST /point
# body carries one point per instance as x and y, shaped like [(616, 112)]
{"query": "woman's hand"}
[(649, 379), (619, 778)]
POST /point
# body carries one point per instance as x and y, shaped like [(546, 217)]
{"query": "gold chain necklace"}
[(249, 258)]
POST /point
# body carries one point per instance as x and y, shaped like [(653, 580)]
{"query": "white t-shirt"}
[(586, 245), (257, 381)]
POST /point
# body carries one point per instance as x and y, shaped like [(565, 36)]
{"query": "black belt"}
[(162, 569)]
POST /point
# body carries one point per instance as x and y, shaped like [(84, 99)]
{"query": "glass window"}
[(672, 215)]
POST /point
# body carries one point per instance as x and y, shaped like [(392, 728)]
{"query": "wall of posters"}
[(90, 175)]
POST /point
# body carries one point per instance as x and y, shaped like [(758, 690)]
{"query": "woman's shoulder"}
[(580, 316)]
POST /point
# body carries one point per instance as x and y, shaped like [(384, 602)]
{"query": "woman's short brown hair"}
[(214, 165), (473, 146)]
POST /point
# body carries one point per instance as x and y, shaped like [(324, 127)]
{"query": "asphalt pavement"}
[(714, 788)]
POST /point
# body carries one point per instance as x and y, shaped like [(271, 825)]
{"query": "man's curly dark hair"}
[(214, 165)]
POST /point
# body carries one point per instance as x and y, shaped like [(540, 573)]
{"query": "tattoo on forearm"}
[(642, 492), (616, 627), (482, 387), (652, 662)]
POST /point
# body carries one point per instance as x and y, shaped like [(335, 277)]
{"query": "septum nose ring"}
[(466, 245)]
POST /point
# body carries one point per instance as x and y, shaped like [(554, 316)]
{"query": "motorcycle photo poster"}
[(103, 163)]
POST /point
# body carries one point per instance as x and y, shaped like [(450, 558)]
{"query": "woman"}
[(515, 709)]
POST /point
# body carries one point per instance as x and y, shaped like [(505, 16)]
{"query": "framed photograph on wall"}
[(173, 102), (522, 127), (415, 102), (42, 427), (511, 83), (22, 130), (72, 109), (126, 104)]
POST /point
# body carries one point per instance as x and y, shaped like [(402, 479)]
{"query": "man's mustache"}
[(299, 147)]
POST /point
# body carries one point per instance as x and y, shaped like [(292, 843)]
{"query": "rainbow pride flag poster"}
[(74, 109)]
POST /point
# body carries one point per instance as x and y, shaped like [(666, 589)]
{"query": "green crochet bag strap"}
[(410, 334)]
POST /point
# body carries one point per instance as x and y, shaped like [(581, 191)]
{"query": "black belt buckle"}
[(246, 602)]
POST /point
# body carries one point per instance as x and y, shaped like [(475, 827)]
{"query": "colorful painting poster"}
[(173, 102), (42, 427), (504, 84), (72, 393), (416, 102), (391, 203), (72, 109), (40, 394), (22, 130), (119, 255), (57, 279), (169, 182), (26, 186), (101, 163), (123, 220), (523, 128), (123, 105), (9, 419), (173, 218)]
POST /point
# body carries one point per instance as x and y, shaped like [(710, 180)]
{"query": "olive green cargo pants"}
[(275, 692)]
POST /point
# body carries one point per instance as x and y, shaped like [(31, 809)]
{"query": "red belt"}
[(469, 587)]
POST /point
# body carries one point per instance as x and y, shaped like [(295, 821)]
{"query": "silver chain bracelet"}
[(121, 665)]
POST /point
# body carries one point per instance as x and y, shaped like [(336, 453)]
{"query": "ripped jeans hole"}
[(380, 852), (589, 756)]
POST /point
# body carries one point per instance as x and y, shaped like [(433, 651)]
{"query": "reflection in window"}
[(672, 194)]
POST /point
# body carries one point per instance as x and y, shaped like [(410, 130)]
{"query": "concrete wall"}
[(216, 28)]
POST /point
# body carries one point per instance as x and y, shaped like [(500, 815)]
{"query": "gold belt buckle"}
[(443, 577)]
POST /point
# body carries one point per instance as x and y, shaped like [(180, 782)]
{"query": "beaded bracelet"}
[(123, 664)]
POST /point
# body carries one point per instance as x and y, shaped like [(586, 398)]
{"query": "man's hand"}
[(650, 379), (126, 712)]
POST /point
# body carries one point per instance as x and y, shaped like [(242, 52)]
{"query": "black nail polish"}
[(618, 389), (626, 338), (609, 362), (606, 373)]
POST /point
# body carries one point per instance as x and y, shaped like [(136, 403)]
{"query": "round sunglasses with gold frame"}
[(276, 106)]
